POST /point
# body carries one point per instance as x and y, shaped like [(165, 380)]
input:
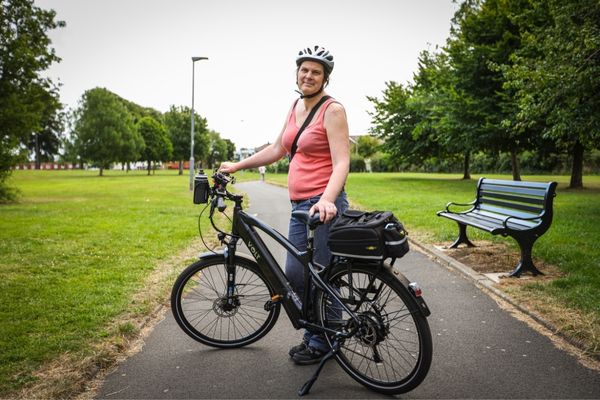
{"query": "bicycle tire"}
[(392, 351), (200, 305)]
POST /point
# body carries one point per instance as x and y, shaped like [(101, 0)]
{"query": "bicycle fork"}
[(229, 256)]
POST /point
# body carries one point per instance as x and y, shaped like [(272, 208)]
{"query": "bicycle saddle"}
[(303, 216)]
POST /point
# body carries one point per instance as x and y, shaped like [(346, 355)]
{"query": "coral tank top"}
[(311, 166)]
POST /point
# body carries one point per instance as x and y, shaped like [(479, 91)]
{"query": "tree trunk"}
[(516, 168), (38, 162), (128, 166), (180, 167), (466, 174), (149, 166), (101, 171), (577, 167)]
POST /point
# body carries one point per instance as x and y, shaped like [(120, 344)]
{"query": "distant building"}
[(244, 152)]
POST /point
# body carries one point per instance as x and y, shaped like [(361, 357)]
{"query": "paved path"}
[(480, 350)]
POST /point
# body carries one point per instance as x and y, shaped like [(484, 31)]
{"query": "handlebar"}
[(217, 193)]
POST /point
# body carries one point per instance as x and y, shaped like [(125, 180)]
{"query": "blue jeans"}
[(294, 270)]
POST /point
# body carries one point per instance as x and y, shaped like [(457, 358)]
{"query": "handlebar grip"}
[(221, 204)]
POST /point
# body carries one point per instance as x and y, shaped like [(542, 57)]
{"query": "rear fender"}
[(418, 300)]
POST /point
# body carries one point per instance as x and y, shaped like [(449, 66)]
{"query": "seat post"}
[(310, 234)]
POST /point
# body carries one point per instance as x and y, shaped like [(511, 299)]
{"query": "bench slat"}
[(511, 189), (512, 197), (511, 208), (470, 220), (517, 224), (493, 221), (540, 185), (504, 211)]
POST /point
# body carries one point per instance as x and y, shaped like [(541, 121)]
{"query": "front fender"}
[(220, 254)]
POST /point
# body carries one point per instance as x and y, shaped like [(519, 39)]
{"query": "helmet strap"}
[(309, 96)]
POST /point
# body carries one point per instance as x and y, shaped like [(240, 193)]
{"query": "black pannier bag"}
[(374, 235)]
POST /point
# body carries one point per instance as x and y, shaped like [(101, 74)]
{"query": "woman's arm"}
[(336, 125)]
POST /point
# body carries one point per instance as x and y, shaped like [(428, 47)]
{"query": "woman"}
[(317, 171)]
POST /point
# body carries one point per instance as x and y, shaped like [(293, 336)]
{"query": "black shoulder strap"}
[(305, 124)]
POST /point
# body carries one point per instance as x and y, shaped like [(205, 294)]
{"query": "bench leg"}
[(462, 237), (526, 262)]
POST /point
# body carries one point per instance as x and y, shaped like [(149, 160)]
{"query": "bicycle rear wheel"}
[(205, 312), (392, 349)]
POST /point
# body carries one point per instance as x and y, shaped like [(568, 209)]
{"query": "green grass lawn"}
[(77, 248), (73, 252)]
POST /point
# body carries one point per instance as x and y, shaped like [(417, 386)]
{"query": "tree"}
[(217, 151), (45, 143), (103, 128), (394, 122), (133, 144), (24, 53), (483, 39), (556, 75), (367, 146), (178, 123), (230, 149), (158, 146)]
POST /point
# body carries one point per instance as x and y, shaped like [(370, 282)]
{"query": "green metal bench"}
[(522, 210)]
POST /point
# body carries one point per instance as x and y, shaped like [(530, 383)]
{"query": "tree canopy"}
[(514, 76), (104, 130), (178, 123), (158, 147), (26, 97)]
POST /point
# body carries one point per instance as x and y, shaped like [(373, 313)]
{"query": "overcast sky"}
[(142, 49)]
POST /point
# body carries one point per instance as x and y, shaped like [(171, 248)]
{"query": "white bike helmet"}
[(318, 54)]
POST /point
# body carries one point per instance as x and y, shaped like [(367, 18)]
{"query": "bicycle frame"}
[(297, 310)]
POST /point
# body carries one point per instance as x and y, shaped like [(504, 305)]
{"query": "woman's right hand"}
[(229, 167)]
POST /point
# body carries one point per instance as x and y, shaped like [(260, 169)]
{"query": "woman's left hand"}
[(326, 209)]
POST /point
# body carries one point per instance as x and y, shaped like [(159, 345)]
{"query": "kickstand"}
[(308, 384)]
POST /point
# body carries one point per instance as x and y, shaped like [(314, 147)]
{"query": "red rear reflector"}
[(416, 289)]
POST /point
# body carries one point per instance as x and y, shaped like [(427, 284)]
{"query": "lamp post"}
[(194, 59)]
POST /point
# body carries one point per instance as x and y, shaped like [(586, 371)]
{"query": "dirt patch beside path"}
[(579, 328), (492, 257)]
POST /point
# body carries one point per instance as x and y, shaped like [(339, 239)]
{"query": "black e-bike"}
[(373, 318)]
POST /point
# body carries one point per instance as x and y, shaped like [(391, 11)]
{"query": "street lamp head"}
[(199, 58)]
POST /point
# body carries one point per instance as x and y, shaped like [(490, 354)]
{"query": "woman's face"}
[(311, 76)]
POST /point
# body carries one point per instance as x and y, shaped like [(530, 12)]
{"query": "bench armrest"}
[(505, 222), (459, 204)]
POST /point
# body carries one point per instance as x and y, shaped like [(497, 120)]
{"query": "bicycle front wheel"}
[(391, 349), (204, 310)]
